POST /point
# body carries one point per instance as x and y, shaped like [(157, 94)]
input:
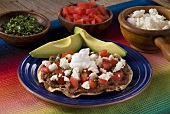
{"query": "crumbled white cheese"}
[(111, 57), (54, 78), (99, 61), (64, 63), (69, 56), (93, 56), (66, 79), (52, 67), (67, 72), (119, 65), (59, 75), (93, 76), (76, 73), (103, 70), (104, 76), (86, 85), (93, 67), (81, 60), (148, 21), (46, 63)]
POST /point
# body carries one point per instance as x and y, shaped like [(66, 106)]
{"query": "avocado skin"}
[(96, 45), (73, 42)]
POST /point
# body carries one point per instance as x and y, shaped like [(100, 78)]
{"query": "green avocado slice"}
[(73, 42), (96, 45)]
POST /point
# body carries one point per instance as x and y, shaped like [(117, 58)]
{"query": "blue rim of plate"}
[(142, 72)]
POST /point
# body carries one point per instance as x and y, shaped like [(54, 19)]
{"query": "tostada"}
[(85, 73)]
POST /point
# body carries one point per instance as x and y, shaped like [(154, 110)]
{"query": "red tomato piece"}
[(72, 9), (82, 5), (65, 10), (89, 20), (59, 71), (61, 80), (117, 76), (74, 82), (57, 63), (114, 62), (69, 52), (102, 81), (106, 64), (76, 17), (69, 17), (45, 69), (93, 21), (84, 77), (96, 12), (80, 21), (92, 83), (88, 11), (101, 17), (91, 4), (103, 53), (101, 9), (98, 20), (77, 10)]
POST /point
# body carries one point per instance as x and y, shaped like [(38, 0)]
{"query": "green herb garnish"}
[(22, 25)]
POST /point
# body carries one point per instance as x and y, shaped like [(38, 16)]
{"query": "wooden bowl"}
[(148, 41), (90, 28), (23, 40)]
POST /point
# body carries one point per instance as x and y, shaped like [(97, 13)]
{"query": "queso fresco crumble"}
[(148, 21)]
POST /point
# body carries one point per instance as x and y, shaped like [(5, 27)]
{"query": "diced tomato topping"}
[(57, 63), (69, 52), (84, 77), (103, 53), (117, 76), (113, 62), (102, 81), (45, 70), (61, 80), (59, 71), (74, 82), (106, 64), (92, 83)]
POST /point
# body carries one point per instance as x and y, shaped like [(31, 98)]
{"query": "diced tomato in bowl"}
[(87, 15)]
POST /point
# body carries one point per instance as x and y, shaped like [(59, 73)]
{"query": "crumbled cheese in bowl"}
[(148, 21)]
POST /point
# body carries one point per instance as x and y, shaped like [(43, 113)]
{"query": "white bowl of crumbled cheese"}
[(147, 28)]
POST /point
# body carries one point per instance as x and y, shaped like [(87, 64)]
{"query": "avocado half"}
[(73, 42), (96, 45)]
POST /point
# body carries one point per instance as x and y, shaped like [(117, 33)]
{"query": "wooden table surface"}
[(48, 8)]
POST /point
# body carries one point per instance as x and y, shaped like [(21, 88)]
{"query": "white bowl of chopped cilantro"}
[(23, 27)]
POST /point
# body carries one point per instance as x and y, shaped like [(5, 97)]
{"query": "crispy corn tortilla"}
[(65, 92)]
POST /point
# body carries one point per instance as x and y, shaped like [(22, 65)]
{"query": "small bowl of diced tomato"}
[(87, 15)]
